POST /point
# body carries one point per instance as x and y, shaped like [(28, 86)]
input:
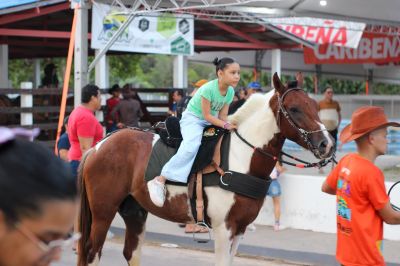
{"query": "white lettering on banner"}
[(372, 49)]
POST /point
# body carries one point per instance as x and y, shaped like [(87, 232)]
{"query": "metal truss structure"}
[(216, 10), (141, 7)]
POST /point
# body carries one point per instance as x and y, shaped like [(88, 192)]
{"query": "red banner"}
[(373, 48)]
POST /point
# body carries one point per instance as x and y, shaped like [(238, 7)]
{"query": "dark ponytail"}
[(221, 64)]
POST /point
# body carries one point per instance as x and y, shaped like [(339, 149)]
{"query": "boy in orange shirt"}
[(362, 202)]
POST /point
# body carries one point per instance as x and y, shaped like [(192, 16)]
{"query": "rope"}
[(394, 206), (303, 164)]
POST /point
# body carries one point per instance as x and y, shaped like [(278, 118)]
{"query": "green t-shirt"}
[(210, 91)]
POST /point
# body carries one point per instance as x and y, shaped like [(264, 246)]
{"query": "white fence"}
[(349, 103), (304, 206)]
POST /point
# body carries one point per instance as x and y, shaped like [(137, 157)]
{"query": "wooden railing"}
[(39, 108)]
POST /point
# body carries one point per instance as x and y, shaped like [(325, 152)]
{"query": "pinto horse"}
[(114, 170)]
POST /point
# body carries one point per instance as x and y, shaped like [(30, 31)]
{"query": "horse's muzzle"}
[(325, 147)]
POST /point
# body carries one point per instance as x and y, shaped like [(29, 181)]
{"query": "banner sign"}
[(157, 33), (321, 31), (373, 48)]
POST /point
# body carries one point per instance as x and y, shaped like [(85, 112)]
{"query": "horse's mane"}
[(253, 104), (255, 119)]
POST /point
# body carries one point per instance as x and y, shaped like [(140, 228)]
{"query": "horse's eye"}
[(294, 110)]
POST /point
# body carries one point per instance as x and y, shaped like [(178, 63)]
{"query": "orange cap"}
[(200, 83)]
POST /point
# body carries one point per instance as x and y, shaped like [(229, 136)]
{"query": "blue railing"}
[(393, 146)]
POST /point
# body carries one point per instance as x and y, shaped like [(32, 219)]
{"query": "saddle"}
[(207, 169), (170, 135)]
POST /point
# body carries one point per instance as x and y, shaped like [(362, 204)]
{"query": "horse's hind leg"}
[(102, 219), (135, 219)]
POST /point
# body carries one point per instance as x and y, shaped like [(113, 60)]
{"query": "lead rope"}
[(302, 164)]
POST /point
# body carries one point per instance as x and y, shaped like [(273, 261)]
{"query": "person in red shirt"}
[(84, 131), (115, 91), (362, 202)]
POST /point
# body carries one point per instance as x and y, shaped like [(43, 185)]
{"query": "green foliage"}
[(20, 70), (156, 71), (199, 71), (123, 68)]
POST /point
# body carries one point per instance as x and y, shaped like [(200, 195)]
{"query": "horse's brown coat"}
[(117, 167)]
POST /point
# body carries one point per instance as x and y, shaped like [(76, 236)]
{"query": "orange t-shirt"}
[(360, 192)]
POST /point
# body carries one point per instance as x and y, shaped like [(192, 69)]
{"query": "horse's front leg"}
[(224, 248), (234, 247)]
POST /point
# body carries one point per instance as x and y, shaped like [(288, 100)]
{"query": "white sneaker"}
[(277, 227), (157, 192)]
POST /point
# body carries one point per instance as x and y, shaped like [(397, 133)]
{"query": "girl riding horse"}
[(208, 106)]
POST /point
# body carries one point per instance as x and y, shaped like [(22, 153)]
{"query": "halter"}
[(304, 134)]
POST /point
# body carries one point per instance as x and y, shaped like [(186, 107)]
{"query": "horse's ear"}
[(279, 87)]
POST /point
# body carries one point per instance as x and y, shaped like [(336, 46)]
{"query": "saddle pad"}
[(162, 152), (160, 155)]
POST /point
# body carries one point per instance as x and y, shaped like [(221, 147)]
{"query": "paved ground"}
[(262, 247), (155, 255)]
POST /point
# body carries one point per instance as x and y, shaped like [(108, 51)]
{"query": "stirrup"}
[(202, 240)]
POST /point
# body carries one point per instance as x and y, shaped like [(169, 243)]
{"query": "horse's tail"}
[(85, 215)]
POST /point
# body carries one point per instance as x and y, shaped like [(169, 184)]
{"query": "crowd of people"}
[(31, 233)]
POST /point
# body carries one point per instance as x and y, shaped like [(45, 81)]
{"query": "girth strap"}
[(246, 185)]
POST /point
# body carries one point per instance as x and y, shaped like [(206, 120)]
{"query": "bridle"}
[(304, 134)]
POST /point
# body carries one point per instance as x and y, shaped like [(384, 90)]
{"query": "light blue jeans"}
[(178, 168)]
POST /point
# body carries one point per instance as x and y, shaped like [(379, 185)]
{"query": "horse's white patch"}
[(96, 260), (135, 260), (155, 138), (257, 124), (219, 204), (327, 136), (176, 191), (98, 145)]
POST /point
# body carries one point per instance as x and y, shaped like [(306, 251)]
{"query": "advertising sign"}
[(158, 33), (373, 48), (321, 31)]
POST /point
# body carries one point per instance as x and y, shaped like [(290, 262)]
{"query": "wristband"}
[(226, 125)]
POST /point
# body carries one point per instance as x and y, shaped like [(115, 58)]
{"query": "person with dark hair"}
[(115, 92), (362, 204), (183, 103), (63, 144), (84, 131), (209, 106), (177, 96), (128, 111), (50, 78), (252, 88), (329, 113), (38, 201)]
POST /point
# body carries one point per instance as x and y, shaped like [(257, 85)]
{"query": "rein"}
[(302, 132), (301, 164)]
